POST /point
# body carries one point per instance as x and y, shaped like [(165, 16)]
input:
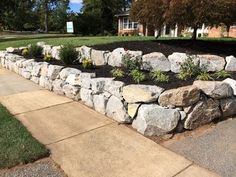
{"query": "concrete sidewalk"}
[(85, 143)]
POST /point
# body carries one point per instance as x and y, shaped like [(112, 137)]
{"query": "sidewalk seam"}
[(183, 169), (43, 108), (69, 137)]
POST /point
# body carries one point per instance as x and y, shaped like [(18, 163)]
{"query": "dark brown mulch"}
[(167, 47)]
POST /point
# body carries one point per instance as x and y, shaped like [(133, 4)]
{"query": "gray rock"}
[(100, 102), (26, 74), (98, 84), (55, 52), (71, 91), (86, 96), (230, 63), (85, 79), (133, 109), (214, 89), (176, 59), (12, 50), (85, 52), (36, 69), (98, 57), (35, 79), (47, 49), (202, 113), (156, 62), (19, 63), (58, 86), (67, 71), (212, 62), (73, 79), (115, 88), (232, 83), (141, 93), (45, 82), (116, 110), (155, 120), (228, 107), (53, 71), (44, 69), (183, 96)]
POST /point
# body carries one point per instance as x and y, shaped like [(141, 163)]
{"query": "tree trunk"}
[(194, 36), (46, 16), (228, 29)]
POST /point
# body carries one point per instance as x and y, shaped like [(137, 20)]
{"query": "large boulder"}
[(73, 79), (155, 120), (12, 50), (141, 93), (183, 96), (98, 84), (67, 71), (46, 83), (176, 60), (85, 52), (71, 91), (116, 56), (44, 69), (232, 83), (98, 57), (156, 62), (53, 71), (36, 69), (116, 110), (212, 62), (214, 89), (133, 109), (86, 96), (100, 102), (115, 88), (202, 113), (230, 63), (55, 52), (58, 86), (47, 49), (85, 79), (228, 106)]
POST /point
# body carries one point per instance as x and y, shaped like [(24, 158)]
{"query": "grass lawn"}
[(20, 41), (17, 146)]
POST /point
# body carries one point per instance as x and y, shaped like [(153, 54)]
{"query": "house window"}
[(127, 24)]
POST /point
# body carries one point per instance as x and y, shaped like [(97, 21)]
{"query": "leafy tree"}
[(149, 12)]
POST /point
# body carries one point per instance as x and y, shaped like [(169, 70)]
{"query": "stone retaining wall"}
[(150, 109)]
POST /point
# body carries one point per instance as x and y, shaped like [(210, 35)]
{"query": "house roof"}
[(123, 14)]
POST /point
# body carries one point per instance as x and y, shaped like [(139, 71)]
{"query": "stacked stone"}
[(150, 109)]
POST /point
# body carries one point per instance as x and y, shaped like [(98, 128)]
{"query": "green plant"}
[(183, 76), (137, 76), (204, 76), (47, 57), (189, 68), (87, 63), (131, 63), (221, 74), (159, 76), (68, 54), (118, 73), (25, 52), (35, 50)]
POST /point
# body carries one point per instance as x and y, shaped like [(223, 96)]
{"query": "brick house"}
[(221, 32)]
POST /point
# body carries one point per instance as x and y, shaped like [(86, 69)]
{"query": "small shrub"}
[(189, 68), (25, 52), (221, 74), (131, 63), (68, 54), (118, 73), (183, 76), (35, 50), (137, 76), (87, 63), (47, 57), (204, 76), (159, 76)]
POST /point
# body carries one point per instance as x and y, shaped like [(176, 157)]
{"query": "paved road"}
[(87, 144), (215, 149)]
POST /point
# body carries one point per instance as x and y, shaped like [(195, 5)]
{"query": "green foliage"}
[(87, 63), (131, 63), (117, 73), (25, 52), (68, 54), (35, 50), (221, 74), (159, 76), (190, 69), (47, 57), (204, 76), (137, 76), (17, 145)]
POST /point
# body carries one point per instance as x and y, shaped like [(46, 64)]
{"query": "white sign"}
[(70, 27)]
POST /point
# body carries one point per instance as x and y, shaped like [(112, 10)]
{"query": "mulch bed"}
[(167, 47)]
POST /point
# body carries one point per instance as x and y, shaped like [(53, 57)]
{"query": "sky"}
[(75, 5)]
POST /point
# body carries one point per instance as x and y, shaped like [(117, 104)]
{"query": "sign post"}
[(70, 27)]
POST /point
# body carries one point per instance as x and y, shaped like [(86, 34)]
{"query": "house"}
[(221, 32)]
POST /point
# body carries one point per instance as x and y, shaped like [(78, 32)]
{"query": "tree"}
[(192, 13), (149, 12)]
